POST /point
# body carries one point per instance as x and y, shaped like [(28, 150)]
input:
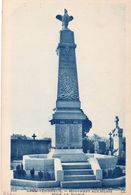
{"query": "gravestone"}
[(117, 137)]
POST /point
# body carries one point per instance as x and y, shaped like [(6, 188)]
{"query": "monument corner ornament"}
[(69, 119)]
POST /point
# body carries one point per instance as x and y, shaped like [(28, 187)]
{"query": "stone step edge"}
[(76, 163), (82, 181), (78, 175), (77, 168), (86, 169)]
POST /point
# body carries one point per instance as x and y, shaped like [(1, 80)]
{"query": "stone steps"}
[(79, 177), (78, 172), (76, 165), (81, 184)]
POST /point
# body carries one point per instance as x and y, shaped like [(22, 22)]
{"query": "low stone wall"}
[(35, 184), (59, 173), (105, 161), (96, 168), (36, 156), (115, 182), (38, 162)]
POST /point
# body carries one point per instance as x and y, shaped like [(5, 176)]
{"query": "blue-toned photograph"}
[(68, 114)]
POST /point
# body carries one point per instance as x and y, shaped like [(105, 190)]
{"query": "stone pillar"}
[(67, 77), (120, 135), (110, 144)]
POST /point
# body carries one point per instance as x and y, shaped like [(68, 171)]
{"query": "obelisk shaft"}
[(67, 76)]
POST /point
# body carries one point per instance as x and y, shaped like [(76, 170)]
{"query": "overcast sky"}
[(32, 38)]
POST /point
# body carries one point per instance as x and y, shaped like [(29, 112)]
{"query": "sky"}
[(32, 34)]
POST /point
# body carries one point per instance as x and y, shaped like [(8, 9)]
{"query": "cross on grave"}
[(34, 136)]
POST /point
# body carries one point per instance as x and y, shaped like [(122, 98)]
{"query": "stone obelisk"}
[(69, 119)]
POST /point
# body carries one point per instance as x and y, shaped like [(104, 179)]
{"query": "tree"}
[(86, 126)]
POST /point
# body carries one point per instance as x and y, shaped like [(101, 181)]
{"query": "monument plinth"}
[(69, 119)]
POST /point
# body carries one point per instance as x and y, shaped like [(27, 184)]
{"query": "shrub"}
[(110, 173), (117, 172), (32, 173), (40, 175), (105, 174), (23, 173), (47, 175), (18, 171)]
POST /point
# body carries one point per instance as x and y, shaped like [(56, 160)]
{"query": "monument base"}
[(68, 155)]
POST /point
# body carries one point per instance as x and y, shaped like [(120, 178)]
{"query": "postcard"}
[(66, 93)]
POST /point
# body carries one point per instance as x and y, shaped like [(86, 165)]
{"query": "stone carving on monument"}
[(68, 89), (65, 19)]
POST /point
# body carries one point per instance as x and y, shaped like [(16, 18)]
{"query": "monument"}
[(69, 119), (66, 165)]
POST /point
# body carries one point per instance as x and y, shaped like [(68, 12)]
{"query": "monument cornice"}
[(65, 45)]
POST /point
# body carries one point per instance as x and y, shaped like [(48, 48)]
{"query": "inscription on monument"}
[(62, 133), (68, 135), (75, 135)]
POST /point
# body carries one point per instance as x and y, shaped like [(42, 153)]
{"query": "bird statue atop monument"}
[(65, 19)]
